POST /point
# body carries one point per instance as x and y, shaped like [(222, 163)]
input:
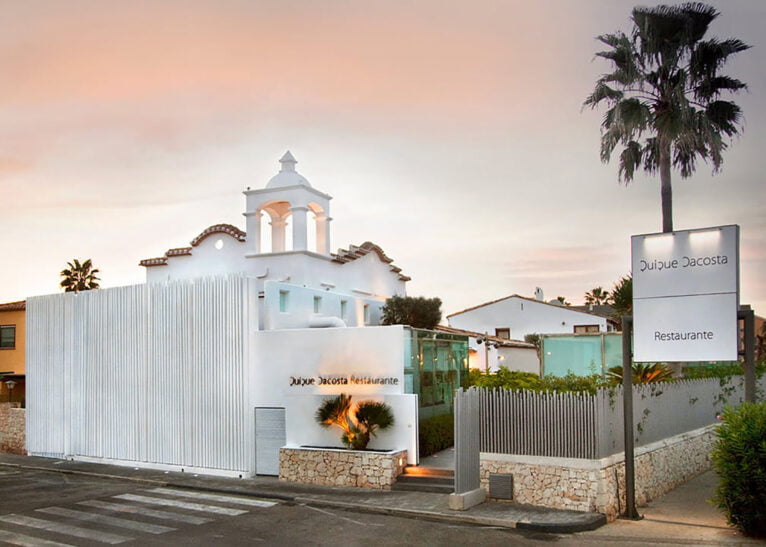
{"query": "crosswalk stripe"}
[(31, 522), (144, 511), (214, 497), (28, 541), (110, 521), (182, 504)]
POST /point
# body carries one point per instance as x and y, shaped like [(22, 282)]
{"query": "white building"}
[(514, 317), (226, 352), (488, 353), (304, 284)]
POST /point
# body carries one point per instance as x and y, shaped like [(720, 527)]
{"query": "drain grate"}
[(501, 486)]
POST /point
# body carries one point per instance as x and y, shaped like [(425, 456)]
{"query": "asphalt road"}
[(43, 508)]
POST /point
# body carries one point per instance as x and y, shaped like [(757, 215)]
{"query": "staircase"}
[(425, 479)]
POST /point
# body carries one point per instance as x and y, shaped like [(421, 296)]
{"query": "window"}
[(283, 300), (317, 304), (8, 337), (503, 333), (585, 329), (343, 309), (366, 314)]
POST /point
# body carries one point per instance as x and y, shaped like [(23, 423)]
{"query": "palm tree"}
[(621, 298), (597, 296), (664, 95), (79, 277)]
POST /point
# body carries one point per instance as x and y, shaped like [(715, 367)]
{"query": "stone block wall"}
[(338, 467), (599, 485), (12, 428)]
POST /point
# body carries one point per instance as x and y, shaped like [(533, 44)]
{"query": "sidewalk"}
[(683, 516), (406, 504)]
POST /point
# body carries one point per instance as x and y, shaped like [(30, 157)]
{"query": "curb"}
[(237, 491), (597, 521)]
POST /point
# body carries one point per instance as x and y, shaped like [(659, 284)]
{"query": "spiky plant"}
[(79, 277), (357, 429), (642, 373), (664, 97)]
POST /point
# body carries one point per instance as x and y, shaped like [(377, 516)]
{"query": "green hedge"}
[(436, 433), (739, 458)]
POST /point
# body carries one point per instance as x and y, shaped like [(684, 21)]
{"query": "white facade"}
[(173, 376), (489, 353), (522, 316), (363, 274)]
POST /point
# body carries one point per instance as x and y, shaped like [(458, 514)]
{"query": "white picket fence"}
[(145, 373)]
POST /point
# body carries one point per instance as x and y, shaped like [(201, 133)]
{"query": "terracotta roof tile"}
[(506, 342), (227, 229), (14, 306), (343, 256), (535, 300)]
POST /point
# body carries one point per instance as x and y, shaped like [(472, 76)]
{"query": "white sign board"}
[(686, 295)]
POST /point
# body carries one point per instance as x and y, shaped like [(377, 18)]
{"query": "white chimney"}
[(539, 294)]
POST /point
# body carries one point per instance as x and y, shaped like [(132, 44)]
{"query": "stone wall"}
[(12, 432), (599, 485), (338, 467)]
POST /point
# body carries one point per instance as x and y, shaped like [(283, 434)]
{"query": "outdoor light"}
[(10, 384)]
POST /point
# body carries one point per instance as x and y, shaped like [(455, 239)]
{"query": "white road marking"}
[(182, 504), (109, 521), (28, 541), (340, 517), (145, 511), (214, 497), (31, 522)]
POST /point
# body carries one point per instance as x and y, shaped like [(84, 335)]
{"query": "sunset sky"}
[(449, 133)]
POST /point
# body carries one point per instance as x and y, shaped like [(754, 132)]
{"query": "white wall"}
[(522, 359), (524, 317), (339, 353), (302, 429), (146, 373), (300, 306)]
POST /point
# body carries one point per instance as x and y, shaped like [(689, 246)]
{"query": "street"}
[(44, 508)]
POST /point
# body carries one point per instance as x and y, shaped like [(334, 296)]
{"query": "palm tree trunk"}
[(666, 191)]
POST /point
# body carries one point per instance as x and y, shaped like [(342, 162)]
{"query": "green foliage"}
[(417, 312), (642, 373), (79, 277), (436, 433), (358, 427), (597, 296), (739, 458), (514, 379), (664, 97), (621, 297), (722, 370)]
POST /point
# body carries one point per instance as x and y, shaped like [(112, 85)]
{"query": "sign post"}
[(686, 295), (685, 308)]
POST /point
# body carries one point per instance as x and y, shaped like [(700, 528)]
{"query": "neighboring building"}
[(614, 323), (514, 317), (489, 353), (303, 282), (12, 343)]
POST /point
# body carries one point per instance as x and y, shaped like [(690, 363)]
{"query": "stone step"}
[(431, 488), (414, 470), (420, 479)]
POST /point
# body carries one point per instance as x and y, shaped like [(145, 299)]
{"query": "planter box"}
[(339, 467)]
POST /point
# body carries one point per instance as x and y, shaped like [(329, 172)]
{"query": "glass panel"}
[(580, 355), (8, 336)]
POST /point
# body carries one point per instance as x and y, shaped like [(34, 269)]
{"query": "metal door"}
[(269, 438)]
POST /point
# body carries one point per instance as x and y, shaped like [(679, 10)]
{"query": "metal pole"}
[(747, 315), (627, 406)]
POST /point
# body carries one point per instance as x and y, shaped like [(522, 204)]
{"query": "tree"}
[(621, 298), (664, 95), (562, 300), (358, 427), (420, 312), (597, 296), (79, 277)]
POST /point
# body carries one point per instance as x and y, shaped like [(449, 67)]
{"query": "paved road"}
[(41, 508)]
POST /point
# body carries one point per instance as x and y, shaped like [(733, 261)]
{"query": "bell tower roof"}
[(287, 175)]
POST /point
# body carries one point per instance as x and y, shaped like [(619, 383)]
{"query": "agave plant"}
[(643, 373), (358, 426)]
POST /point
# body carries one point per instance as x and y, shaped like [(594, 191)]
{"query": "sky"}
[(449, 133)]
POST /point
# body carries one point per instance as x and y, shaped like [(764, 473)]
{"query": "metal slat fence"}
[(583, 425)]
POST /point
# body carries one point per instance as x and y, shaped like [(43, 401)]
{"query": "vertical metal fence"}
[(583, 425)]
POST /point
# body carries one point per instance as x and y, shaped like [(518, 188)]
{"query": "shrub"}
[(436, 433), (739, 458), (358, 426), (417, 312)]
